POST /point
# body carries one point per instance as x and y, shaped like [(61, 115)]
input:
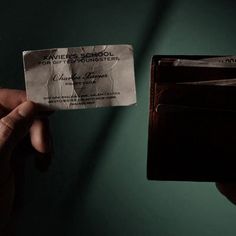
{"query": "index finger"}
[(11, 98)]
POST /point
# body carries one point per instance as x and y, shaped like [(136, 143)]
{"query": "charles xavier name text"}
[(74, 77)]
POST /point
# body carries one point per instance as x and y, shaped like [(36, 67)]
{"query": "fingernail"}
[(26, 109)]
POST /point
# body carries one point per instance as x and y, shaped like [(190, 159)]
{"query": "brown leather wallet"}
[(192, 126)]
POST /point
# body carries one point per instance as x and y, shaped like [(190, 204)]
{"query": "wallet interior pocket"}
[(192, 126), (192, 143)]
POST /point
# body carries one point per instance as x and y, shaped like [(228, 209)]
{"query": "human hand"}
[(18, 118)]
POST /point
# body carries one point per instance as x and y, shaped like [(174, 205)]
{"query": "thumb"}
[(15, 126)]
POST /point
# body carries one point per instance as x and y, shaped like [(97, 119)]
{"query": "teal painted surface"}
[(97, 182)]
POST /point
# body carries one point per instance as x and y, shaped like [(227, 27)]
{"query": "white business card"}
[(81, 77)]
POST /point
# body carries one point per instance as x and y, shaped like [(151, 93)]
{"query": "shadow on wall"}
[(92, 157)]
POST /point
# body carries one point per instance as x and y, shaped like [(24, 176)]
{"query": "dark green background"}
[(97, 182)]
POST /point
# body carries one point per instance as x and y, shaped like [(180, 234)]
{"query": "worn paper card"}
[(82, 77)]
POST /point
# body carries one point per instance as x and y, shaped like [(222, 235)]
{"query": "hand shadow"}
[(20, 156)]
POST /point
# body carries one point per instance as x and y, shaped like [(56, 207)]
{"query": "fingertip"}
[(40, 136), (27, 109)]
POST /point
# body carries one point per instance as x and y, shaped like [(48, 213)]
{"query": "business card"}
[(80, 77)]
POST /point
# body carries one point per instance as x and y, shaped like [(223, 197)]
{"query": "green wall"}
[(97, 184)]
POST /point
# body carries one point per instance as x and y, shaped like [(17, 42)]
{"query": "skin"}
[(18, 118)]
